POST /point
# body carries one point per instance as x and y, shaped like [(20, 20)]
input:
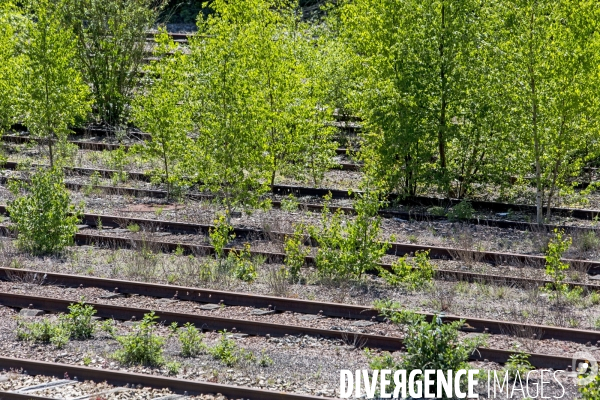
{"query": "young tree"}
[(160, 112), (258, 100), (53, 92), (45, 219), (111, 39), (9, 63), (288, 91), (228, 155), (421, 90), (550, 50)]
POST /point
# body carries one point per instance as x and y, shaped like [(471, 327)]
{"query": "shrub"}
[(349, 248), (191, 341), (45, 219), (574, 295), (295, 252), (44, 331), (225, 350), (79, 320), (243, 267), (290, 203), (588, 241), (220, 235), (111, 39), (78, 324), (265, 360), (142, 346), (117, 159), (518, 364), (413, 276), (429, 345), (133, 228), (461, 211), (594, 298), (555, 268), (173, 367)]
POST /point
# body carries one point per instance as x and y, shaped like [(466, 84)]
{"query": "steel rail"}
[(101, 146), (169, 247), (21, 396), (386, 213), (410, 200), (397, 249), (256, 328), (400, 249), (279, 304), (121, 378), (435, 201)]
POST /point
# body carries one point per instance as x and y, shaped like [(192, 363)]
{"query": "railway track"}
[(101, 146), (271, 257), (396, 249), (399, 249), (278, 304), (258, 328), (305, 191), (125, 382)]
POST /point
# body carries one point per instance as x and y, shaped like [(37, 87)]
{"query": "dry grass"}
[(540, 237), (467, 248), (442, 296), (528, 336), (355, 340), (277, 281)]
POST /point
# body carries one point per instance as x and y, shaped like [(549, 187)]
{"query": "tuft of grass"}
[(134, 228), (142, 346)]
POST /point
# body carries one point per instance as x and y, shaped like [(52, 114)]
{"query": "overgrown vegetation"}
[(555, 267), (43, 215), (518, 365), (220, 235), (349, 248), (295, 252), (412, 275), (225, 350), (229, 353), (77, 324), (109, 49), (252, 99), (191, 341), (10, 63), (159, 111), (429, 345), (53, 93), (142, 346)]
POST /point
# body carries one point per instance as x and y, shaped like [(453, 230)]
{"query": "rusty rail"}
[(260, 328), (120, 378), (279, 304)]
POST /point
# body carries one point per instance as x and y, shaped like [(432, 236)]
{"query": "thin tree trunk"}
[(444, 105), (51, 153), (555, 170), (167, 174), (539, 190)]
